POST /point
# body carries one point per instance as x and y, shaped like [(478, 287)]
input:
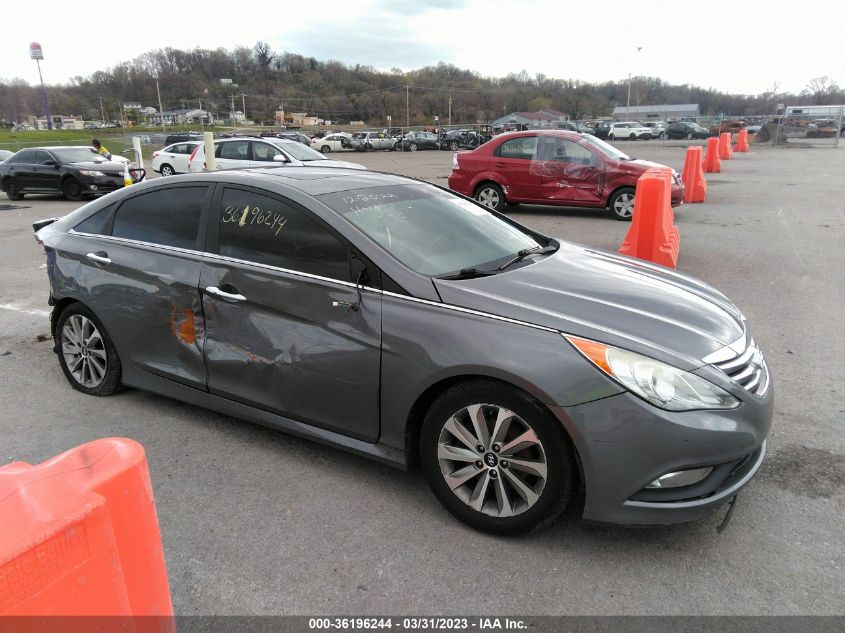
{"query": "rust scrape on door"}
[(182, 325)]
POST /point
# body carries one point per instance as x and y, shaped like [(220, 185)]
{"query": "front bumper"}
[(100, 185), (624, 444)]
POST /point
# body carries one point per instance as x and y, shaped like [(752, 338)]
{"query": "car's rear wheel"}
[(496, 458), (663, 136), (689, 136), (325, 149), (13, 192), (412, 147), (491, 196), (622, 204), (167, 170), (453, 145), (87, 355), (632, 137), (71, 189)]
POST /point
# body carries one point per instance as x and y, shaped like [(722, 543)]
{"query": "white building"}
[(60, 122), (181, 117)]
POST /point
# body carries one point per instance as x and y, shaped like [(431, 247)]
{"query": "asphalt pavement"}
[(257, 522)]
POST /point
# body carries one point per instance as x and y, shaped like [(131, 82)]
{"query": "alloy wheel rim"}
[(624, 205), (166, 171), (84, 351), (489, 198), (492, 460)]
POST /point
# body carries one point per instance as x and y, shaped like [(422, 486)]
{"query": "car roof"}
[(312, 181)]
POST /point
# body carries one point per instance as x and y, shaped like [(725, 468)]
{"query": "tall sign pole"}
[(37, 53)]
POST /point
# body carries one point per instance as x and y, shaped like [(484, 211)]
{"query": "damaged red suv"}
[(553, 167)]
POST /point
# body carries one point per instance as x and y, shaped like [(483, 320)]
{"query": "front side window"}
[(264, 152), (170, 217), (301, 152), (563, 150), (522, 147), (265, 230), (431, 231)]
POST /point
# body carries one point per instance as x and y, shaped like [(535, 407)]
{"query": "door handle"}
[(350, 306), (100, 259), (501, 164), (214, 290)]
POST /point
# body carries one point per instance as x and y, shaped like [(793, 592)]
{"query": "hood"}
[(330, 162), (613, 299), (103, 166), (640, 166)]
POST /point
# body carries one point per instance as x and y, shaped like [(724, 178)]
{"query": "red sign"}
[(35, 51)]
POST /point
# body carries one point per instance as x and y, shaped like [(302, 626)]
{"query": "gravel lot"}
[(254, 521)]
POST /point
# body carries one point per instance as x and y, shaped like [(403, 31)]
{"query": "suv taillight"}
[(192, 156), (455, 164)]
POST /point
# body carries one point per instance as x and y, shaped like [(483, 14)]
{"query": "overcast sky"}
[(728, 46)]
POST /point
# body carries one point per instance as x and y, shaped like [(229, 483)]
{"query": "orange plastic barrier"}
[(712, 164), (695, 185), (79, 537), (742, 141), (725, 151), (653, 235)]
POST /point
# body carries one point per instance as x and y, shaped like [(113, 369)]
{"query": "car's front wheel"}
[(412, 147), (167, 170), (622, 204), (663, 136), (71, 189), (13, 192), (87, 355), (496, 458), (325, 149), (491, 196), (689, 136), (453, 146)]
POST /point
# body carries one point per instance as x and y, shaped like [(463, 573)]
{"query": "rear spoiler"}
[(40, 224)]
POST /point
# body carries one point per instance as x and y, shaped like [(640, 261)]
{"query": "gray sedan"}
[(399, 321)]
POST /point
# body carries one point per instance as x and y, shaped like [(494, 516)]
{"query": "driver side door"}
[(569, 173)]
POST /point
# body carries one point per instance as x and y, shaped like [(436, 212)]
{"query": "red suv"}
[(552, 167)]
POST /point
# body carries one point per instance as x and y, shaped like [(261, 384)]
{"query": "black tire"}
[(412, 147), (453, 146), (72, 190), (617, 197), (110, 383), (325, 149), (491, 196), (12, 190), (167, 170), (561, 482), (632, 137), (689, 136), (663, 136)]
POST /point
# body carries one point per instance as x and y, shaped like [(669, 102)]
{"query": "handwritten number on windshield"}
[(249, 216)]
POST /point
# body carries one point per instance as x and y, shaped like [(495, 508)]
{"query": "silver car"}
[(397, 320)]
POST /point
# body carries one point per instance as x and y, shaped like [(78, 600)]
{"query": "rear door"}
[(512, 164), (23, 169), (140, 269), (233, 155), (287, 329)]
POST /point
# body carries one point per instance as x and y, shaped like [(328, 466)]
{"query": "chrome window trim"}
[(279, 269), (126, 240)]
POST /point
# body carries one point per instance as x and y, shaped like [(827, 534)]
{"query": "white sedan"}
[(173, 159), (630, 130), (335, 142)]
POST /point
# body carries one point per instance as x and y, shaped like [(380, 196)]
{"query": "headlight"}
[(660, 384), (91, 172)]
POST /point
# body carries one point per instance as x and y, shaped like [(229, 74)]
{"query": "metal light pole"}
[(160, 110), (628, 106), (102, 111), (450, 112), (37, 53), (407, 108)]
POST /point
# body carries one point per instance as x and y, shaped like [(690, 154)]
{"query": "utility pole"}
[(202, 122), (37, 53), (628, 106), (407, 108), (233, 108), (160, 110), (102, 111), (450, 112), (243, 103)]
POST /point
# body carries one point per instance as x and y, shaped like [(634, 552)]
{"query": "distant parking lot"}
[(257, 522)]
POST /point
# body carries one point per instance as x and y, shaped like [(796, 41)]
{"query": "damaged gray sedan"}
[(396, 320)]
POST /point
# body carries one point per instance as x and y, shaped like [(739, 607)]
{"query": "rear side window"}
[(237, 150), (265, 230), (170, 217), (99, 223)]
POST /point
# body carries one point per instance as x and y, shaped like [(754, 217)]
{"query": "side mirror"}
[(279, 158), (50, 162)]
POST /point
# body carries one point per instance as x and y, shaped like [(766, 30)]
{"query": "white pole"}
[(160, 110), (838, 128), (139, 157), (210, 161)]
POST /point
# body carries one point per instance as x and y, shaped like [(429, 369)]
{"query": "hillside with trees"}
[(265, 81)]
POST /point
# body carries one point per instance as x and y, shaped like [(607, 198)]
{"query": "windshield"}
[(300, 151), (606, 148), (431, 231), (78, 155)]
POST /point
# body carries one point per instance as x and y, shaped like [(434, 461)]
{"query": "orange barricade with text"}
[(79, 536), (653, 235), (695, 186)]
